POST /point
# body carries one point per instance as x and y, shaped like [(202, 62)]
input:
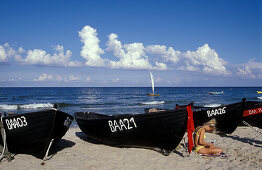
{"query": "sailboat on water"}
[(153, 86)]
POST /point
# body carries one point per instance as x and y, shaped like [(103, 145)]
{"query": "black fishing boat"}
[(252, 113), (34, 132), (227, 117), (162, 129)]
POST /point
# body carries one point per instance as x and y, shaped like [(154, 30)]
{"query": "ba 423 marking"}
[(122, 124), (16, 122), (215, 112)]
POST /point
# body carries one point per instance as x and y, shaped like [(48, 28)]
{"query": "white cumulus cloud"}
[(6, 52), (59, 78), (161, 66), (245, 72), (44, 77), (91, 50), (252, 69), (21, 50), (254, 65), (131, 56), (204, 59), (73, 78), (41, 57), (3, 56), (161, 51)]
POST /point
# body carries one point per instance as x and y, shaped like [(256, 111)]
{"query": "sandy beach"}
[(75, 151)]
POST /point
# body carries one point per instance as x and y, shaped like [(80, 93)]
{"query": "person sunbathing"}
[(201, 146)]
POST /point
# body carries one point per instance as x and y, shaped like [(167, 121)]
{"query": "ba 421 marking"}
[(16, 122), (215, 112), (122, 124)]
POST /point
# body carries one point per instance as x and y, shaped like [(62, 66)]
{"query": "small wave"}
[(36, 106), (260, 97), (8, 107), (153, 103), (212, 105), (26, 106)]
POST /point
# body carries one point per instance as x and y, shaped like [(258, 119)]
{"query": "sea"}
[(117, 100)]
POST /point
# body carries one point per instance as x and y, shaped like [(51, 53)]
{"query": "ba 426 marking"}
[(215, 112)]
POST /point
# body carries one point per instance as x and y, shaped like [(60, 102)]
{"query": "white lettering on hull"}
[(215, 112), (16, 123), (120, 125)]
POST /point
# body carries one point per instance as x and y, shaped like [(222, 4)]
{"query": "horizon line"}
[(126, 86)]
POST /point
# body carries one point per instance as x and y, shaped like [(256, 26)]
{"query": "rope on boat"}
[(5, 152), (47, 151), (251, 127)]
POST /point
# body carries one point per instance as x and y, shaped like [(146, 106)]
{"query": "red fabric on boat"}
[(252, 112), (190, 128)]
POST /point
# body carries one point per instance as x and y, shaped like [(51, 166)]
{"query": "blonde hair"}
[(211, 123)]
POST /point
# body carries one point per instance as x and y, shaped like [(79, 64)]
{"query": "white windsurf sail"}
[(153, 84)]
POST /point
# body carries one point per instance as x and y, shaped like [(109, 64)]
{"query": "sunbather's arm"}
[(201, 139)]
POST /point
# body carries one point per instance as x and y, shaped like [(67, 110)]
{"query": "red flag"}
[(190, 128)]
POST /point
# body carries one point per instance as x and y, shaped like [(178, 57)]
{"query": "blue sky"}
[(117, 43)]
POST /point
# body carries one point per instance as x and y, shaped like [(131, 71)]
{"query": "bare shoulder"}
[(202, 130)]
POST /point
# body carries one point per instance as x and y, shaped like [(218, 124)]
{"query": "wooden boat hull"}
[(230, 116), (227, 117), (252, 113), (153, 94), (150, 94), (162, 130), (32, 132)]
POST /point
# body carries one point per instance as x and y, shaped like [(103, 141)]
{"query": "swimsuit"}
[(196, 148)]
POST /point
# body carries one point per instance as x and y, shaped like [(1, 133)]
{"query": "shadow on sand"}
[(164, 152), (55, 148), (253, 142), (84, 137), (62, 144)]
